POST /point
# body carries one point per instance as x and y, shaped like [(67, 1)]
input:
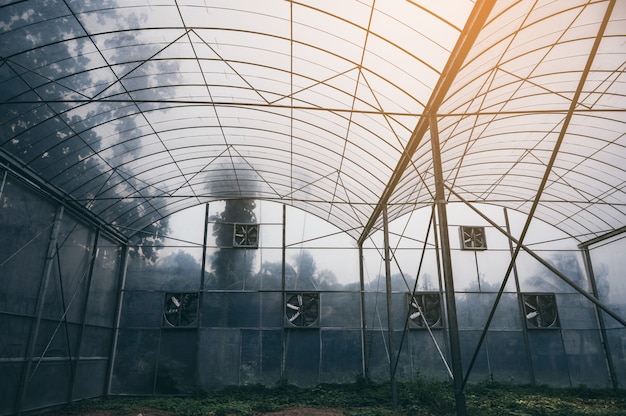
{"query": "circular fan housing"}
[(180, 310), (246, 235), (302, 310), (425, 309), (541, 311)]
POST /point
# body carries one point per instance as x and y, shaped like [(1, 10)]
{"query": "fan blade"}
[(530, 306), (294, 317), (415, 315), (293, 307), (300, 300), (532, 315), (175, 301)]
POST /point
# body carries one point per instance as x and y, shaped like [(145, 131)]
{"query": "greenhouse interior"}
[(203, 194)]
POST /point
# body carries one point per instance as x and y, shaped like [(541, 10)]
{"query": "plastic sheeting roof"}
[(137, 109)]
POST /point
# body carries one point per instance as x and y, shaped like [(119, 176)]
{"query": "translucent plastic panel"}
[(302, 356), (340, 356), (549, 358), (69, 280), (14, 334), (608, 271), (587, 364), (134, 373), (48, 386), (90, 379), (508, 359), (176, 369), (260, 351), (219, 360), (104, 288), (142, 309), (26, 222), (425, 359), (534, 277)]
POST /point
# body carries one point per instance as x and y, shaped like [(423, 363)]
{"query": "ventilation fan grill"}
[(246, 235), (180, 310), (424, 310), (302, 310), (473, 238), (540, 310)]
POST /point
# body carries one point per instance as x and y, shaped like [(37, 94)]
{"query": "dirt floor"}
[(296, 411)]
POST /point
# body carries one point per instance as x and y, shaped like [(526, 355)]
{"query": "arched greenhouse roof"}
[(132, 110)]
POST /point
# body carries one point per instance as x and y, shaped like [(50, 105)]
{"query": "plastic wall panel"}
[(549, 359), (231, 310), (341, 356), (25, 225), (135, 361), (90, 379), (377, 354), (96, 342), (142, 309), (585, 358), (14, 333), (219, 358), (469, 341), (302, 356), (70, 273), (251, 368), (473, 310), (576, 312), (376, 310), (176, 370), (424, 358), (9, 383), (49, 385), (617, 345), (260, 357), (508, 360), (56, 339), (535, 277), (103, 291), (272, 310), (177, 270), (340, 310)]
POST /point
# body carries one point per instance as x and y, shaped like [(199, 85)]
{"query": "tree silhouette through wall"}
[(230, 265)]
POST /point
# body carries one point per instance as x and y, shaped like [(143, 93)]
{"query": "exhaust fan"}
[(473, 238), (180, 310), (246, 235), (424, 310), (540, 310), (302, 310)]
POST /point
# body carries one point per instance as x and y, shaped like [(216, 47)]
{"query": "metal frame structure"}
[(125, 114)]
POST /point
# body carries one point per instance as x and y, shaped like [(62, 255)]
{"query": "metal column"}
[(364, 364), (453, 326), (41, 300), (387, 255), (601, 323), (79, 341)]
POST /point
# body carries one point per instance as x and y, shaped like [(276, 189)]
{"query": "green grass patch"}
[(424, 398)]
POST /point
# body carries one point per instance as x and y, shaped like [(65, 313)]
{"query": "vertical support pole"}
[(603, 334), (282, 290), (41, 299), (518, 289), (201, 294), (392, 351), (79, 340), (364, 364), (453, 326), (118, 316)]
